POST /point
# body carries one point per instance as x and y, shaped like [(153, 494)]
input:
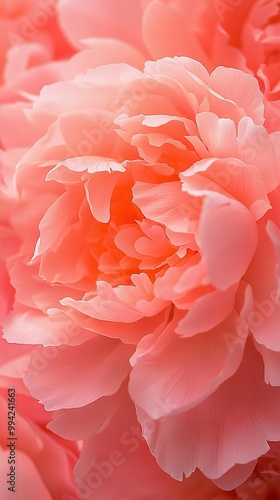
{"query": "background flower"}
[(156, 27), (237, 34)]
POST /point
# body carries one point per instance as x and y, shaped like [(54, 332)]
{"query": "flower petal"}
[(233, 425), (227, 237), (100, 366)]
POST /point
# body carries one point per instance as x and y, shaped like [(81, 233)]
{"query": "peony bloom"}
[(146, 253)]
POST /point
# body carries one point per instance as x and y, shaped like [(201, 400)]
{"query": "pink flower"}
[(147, 252), (155, 27)]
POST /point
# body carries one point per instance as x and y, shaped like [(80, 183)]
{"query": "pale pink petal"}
[(118, 460), (183, 442), (271, 360), (84, 422), (264, 315), (207, 312), (99, 188), (125, 240), (123, 304), (227, 237), (102, 51), (190, 78), (171, 374), (101, 365), (65, 170), (30, 326), (178, 281), (228, 175), (259, 148), (129, 333), (241, 88), (235, 476), (217, 134), (62, 211), (166, 203)]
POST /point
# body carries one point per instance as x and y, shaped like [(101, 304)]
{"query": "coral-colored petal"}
[(227, 237), (243, 414), (101, 365), (207, 312), (172, 374)]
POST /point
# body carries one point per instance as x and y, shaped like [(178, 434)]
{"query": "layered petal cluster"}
[(116, 461), (147, 228)]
